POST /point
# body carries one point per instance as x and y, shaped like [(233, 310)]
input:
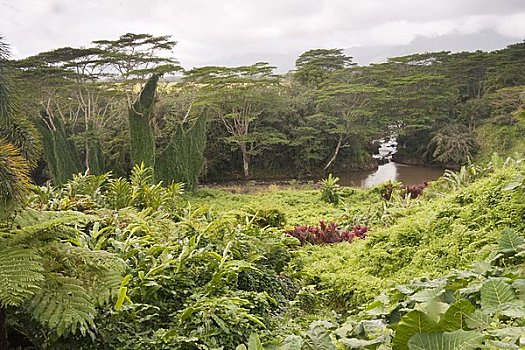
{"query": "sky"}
[(242, 32)]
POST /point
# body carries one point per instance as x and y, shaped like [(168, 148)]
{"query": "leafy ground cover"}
[(135, 265), (300, 206)]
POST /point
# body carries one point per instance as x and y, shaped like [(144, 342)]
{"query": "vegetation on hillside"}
[(122, 250)]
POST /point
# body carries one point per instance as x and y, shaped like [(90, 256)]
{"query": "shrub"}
[(267, 217), (330, 189), (415, 190), (327, 233)]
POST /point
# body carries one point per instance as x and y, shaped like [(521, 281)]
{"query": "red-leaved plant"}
[(416, 190), (327, 233)]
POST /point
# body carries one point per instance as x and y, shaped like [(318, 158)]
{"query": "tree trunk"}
[(3, 328), (245, 160), (337, 148), (86, 160)]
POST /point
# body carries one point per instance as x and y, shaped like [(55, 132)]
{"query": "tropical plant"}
[(327, 233), (330, 189)]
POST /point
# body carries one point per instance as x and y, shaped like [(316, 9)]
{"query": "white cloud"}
[(228, 31)]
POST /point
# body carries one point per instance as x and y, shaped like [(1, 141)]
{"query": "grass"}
[(302, 205)]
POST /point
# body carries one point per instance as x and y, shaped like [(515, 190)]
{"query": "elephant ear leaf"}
[(318, 337), (457, 340), (510, 241), (496, 294), (455, 317), (412, 323)]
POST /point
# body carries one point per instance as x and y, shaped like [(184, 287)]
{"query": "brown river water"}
[(407, 174)]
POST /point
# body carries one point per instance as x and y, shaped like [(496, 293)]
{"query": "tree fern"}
[(64, 305), (14, 177), (22, 134), (20, 275)]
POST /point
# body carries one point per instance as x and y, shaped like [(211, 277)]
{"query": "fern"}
[(63, 305), (20, 275)]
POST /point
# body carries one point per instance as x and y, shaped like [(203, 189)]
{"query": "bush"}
[(330, 189), (327, 233), (267, 217)]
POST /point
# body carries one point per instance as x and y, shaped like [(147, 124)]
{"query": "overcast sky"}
[(234, 32)]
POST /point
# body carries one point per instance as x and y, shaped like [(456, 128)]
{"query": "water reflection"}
[(407, 174)]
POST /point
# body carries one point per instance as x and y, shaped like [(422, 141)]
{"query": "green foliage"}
[(182, 160), (21, 274), (60, 153), (51, 277), (313, 67), (14, 178), (452, 145), (22, 134), (73, 312), (330, 189), (424, 237), (140, 115), (457, 340), (6, 100)]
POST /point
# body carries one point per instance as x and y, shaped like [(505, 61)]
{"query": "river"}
[(407, 174), (389, 170)]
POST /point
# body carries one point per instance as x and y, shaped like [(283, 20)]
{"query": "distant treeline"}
[(237, 122)]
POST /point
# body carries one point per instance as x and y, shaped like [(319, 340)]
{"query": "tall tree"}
[(313, 67), (345, 107), (239, 97), (141, 116)]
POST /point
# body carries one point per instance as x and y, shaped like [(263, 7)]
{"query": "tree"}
[(452, 145), (240, 97), (79, 91), (74, 107), (133, 58), (313, 67), (345, 109)]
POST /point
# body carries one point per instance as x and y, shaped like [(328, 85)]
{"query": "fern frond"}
[(63, 305), (14, 176), (20, 275), (41, 226), (106, 285)]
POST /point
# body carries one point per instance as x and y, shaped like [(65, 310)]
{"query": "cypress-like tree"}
[(141, 131), (182, 159), (60, 153)]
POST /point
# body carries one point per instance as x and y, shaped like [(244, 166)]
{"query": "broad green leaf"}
[(426, 295), (514, 310), (478, 320), (318, 337), (412, 323), (254, 343), (457, 340), (500, 345), (510, 241), (519, 286), (292, 342), (354, 343), (454, 317), (495, 293)]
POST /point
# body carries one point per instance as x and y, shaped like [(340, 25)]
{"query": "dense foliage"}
[(446, 109), (113, 254)]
